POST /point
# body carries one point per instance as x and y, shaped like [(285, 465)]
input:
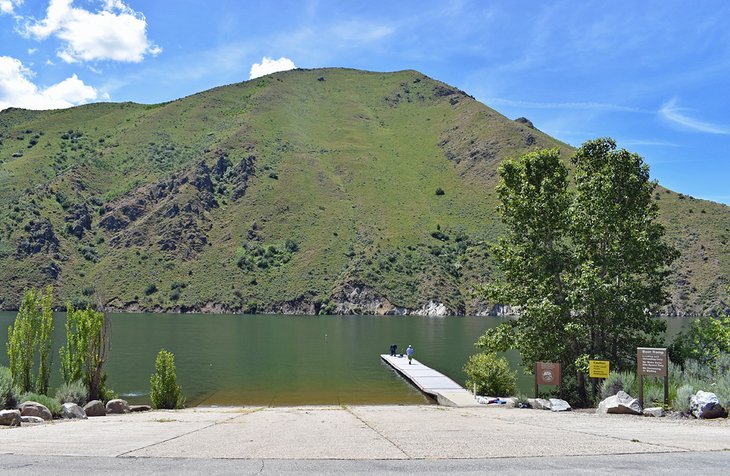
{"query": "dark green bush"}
[(49, 402), (164, 390), (440, 191), (8, 393), (491, 374)]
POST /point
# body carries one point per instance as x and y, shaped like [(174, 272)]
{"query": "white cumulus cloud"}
[(18, 90), (114, 32), (270, 65), (8, 6)]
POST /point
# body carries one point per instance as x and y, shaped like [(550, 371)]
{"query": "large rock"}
[(539, 403), (71, 410), (10, 418), (706, 405), (32, 419), (36, 409), (558, 405), (117, 406), (95, 408), (621, 403), (654, 412)]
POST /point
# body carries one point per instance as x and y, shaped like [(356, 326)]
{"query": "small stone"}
[(482, 400), (139, 408), (654, 412), (10, 417), (36, 409), (117, 406), (71, 411), (558, 405), (706, 405), (621, 403), (95, 408), (539, 403), (32, 419)]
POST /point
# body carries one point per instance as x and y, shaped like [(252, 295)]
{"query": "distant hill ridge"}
[(306, 191)]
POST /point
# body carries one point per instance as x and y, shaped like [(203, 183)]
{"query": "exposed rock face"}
[(117, 406), (621, 403), (354, 298), (706, 405), (35, 420), (71, 411), (558, 405), (40, 239), (95, 408), (35, 409), (240, 176), (78, 219), (525, 121), (10, 418)]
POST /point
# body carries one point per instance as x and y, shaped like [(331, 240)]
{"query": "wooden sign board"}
[(599, 368), (651, 361), (547, 373)]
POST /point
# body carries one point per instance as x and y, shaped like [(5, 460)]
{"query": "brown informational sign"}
[(599, 368), (651, 361), (547, 373)]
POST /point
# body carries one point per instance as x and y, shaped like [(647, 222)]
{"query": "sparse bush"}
[(491, 374), (612, 385), (681, 402), (49, 402), (440, 191), (164, 390), (8, 393), (150, 289), (74, 392)]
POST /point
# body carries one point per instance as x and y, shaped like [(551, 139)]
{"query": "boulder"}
[(558, 405), (95, 408), (10, 417), (36, 409), (71, 410), (32, 419), (654, 412), (117, 406), (539, 403), (621, 403), (706, 405), (139, 408), (482, 400)]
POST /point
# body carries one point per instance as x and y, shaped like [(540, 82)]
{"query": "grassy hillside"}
[(303, 191)]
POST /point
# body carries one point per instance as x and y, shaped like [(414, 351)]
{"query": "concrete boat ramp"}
[(431, 382)]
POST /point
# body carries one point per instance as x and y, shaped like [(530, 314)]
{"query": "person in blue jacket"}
[(409, 353)]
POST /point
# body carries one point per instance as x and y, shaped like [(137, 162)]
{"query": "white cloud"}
[(672, 113), (17, 89), (8, 6), (115, 32), (268, 66)]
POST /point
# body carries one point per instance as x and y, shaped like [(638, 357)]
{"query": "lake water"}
[(281, 360)]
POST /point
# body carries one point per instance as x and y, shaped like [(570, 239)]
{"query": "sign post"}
[(599, 368), (652, 362), (546, 373)]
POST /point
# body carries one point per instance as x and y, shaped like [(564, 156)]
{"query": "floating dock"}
[(431, 382)]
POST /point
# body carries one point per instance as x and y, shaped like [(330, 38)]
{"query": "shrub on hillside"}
[(74, 392), (164, 390), (491, 374)]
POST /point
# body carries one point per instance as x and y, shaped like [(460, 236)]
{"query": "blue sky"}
[(654, 75)]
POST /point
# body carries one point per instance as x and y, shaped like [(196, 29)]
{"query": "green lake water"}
[(282, 360)]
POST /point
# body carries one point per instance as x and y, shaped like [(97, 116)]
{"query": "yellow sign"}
[(598, 368)]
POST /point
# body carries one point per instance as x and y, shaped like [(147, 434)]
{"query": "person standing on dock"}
[(393, 349), (409, 353)]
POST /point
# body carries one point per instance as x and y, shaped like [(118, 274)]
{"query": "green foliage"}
[(587, 267), (491, 374), (705, 341), (88, 335), (8, 393), (681, 402), (29, 341), (164, 390), (74, 392), (440, 191), (53, 405)]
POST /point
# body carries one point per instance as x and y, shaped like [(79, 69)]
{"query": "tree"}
[(88, 338), (164, 390), (587, 267), (31, 336)]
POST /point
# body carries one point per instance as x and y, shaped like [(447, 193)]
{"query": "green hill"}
[(300, 192)]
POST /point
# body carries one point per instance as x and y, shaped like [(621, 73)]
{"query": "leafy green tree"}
[(164, 390), (88, 338), (705, 341), (587, 267), (491, 375), (29, 338)]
